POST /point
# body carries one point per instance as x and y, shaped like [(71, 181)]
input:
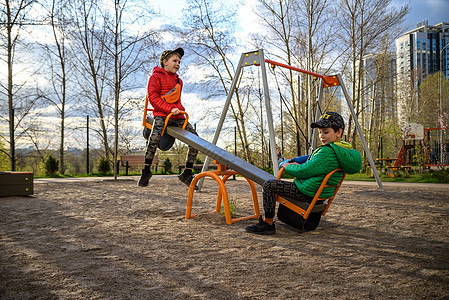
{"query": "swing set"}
[(257, 58)]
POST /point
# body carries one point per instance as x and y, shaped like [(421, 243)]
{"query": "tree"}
[(59, 61), (280, 20), (295, 37), (4, 159), (13, 17), (429, 100), (316, 45), (381, 107), (362, 24), (127, 51), (51, 165), (209, 34), (93, 66)]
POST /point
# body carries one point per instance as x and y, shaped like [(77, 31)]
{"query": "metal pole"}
[(441, 101), (269, 115), (282, 130), (223, 115), (87, 149), (12, 141), (360, 131), (300, 98), (317, 115)]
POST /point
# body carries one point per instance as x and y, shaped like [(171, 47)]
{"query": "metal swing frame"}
[(256, 58)]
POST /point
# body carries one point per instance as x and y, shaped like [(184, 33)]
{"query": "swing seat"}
[(306, 216)]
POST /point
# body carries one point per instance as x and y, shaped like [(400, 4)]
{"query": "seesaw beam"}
[(231, 161)]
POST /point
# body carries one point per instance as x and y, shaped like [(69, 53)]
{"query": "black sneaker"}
[(261, 228), (145, 178), (187, 178)]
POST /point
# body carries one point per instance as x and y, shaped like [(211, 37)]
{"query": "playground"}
[(111, 240), (105, 239)]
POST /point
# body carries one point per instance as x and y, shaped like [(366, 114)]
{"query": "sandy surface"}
[(113, 240)]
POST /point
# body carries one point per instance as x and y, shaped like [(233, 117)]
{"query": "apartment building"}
[(420, 52)]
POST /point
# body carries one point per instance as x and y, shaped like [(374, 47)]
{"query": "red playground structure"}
[(434, 146)]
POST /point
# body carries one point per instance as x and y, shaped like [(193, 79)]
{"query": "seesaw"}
[(224, 159)]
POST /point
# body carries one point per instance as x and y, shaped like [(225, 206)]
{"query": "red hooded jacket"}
[(160, 83)]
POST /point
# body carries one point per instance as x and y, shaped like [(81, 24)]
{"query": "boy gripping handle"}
[(164, 93), (334, 153)]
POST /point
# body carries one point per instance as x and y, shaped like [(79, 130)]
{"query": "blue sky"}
[(435, 11)]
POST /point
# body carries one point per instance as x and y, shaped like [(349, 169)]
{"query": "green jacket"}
[(324, 160)]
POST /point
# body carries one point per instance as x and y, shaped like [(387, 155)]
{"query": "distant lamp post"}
[(441, 82), (441, 101)]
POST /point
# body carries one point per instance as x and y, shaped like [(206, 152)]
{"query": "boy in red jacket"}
[(164, 93)]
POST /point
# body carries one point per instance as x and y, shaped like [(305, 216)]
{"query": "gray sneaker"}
[(187, 178)]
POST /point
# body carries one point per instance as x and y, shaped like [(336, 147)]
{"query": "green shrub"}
[(104, 166), (51, 165), (436, 176)]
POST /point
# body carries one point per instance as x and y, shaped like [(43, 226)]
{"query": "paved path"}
[(136, 178)]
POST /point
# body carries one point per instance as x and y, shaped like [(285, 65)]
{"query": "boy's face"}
[(172, 64), (328, 135)]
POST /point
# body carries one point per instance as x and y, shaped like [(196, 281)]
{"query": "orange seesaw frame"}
[(222, 194), (148, 125)]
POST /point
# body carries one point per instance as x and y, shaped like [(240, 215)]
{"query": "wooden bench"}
[(197, 167), (129, 161), (16, 184), (389, 162), (392, 171), (407, 170)]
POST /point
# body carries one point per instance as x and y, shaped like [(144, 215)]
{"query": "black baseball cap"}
[(166, 53), (329, 119)]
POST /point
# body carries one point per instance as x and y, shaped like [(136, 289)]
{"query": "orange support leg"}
[(222, 195)]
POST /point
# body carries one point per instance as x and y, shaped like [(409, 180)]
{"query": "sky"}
[(435, 11)]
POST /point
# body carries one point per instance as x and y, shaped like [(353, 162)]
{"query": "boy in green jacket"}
[(333, 154)]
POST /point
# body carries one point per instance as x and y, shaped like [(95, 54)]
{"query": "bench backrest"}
[(136, 160)]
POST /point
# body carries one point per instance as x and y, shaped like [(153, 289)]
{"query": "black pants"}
[(155, 138), (285, 189)]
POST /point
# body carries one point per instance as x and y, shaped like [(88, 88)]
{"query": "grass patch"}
[(440, 176), (232, 207)]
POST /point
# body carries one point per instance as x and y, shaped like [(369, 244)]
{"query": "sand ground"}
[(113, 240)]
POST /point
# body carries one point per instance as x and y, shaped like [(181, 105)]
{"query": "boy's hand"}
[(175, 111), (283, 163), (289, 163)]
